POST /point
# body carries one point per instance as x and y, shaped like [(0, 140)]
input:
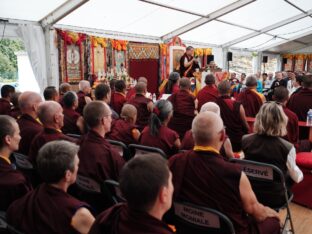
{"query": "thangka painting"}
[(289, 65), (98, 56), (120, 60), (71, 56), (176, 56)]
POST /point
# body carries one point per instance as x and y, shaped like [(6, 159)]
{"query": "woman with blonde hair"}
[(266, 144)]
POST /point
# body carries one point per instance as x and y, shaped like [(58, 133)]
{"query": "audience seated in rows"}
[(146, 184), (29, 123), (13, 184), (73, 121), (209, 93), (98, 160), (83, 95), (184, 108), (201, 176), (188, 141), (172, 84), (157, 134), (124, 129), (143, 105), (131, 92), (5, 101), (250, 98), (49, 209), (51, 116), (233, 116), (267, 145)]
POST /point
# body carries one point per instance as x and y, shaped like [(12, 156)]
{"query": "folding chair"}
[(3, 223), (76, 136), (121, 148), (142, 150), (113, 188), (22, 162), (264, 179), (190, 218)]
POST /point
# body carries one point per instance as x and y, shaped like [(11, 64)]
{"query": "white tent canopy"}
[(265, 26)]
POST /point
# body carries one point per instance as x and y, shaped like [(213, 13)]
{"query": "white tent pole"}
[(269, 28), (214, 15)]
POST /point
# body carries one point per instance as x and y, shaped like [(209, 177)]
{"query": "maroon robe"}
[(98, 160), (16, 113), (47, 210), (292, 127), (205, 179), (121, 130), (140, 102), (45, 136), (183, 112), (13, 184), (117, 101), (300, 103), (251, 102), (61, 101), (130, 94), (119, 219), (81, 102), (5, 107), (207, 94), (70, 121), (230, 114), (29, 128), (187, 71), (164, 141)]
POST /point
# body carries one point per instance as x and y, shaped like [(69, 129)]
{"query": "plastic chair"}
[(142, 150), (22, 161), (190, 218), (76, 136), (263, 175), (121, 148), (114, 190)]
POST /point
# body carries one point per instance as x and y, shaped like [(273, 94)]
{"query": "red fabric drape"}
[(148, 68)]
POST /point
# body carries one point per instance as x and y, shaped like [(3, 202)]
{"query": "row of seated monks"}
[(202, 175)]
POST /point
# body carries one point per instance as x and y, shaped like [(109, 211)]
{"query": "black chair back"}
[(121, 148), (142, 150)]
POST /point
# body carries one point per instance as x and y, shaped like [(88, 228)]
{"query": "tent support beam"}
[(60, 12), (214, 15), (269, 28)]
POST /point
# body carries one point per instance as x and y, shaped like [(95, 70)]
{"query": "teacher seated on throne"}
[(188, 63)]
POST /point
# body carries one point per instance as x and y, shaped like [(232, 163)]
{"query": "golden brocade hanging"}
[(99, 41)]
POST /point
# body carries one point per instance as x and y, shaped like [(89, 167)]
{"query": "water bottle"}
[(309, 118), (154, 97)]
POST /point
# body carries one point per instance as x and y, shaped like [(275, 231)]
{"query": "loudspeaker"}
[(284, 60), (265, 59), (210, 58), (229, 56)]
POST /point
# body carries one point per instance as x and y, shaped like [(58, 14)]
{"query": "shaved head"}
[(224, 87), (251, 81), (140, 88), (28, 100), (185, 84), (128, 111), (47, 111), (64, 87), (142, 79), (210, 106), (205, 128), (94, 112)]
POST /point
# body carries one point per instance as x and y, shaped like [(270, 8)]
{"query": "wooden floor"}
[(302, 218)]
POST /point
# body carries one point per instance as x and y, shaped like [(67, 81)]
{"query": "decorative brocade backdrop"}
[(144, 61)]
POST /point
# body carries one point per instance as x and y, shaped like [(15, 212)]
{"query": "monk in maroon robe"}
[(184, 108), (83, 95), (157, 134), (148, 176), (13, 184), (124, 129), (118, 99), (250, 98), (233, 116), (98, 160), (204, 178), (50, 93), (15, 110), (5, 100), (64, 88), (209, 93), (29, 123), (73, 121), (143, 105), (188, 64), (51, 116), (49, 208)]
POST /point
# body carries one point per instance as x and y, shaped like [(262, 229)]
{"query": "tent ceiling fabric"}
[(141, 18)]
